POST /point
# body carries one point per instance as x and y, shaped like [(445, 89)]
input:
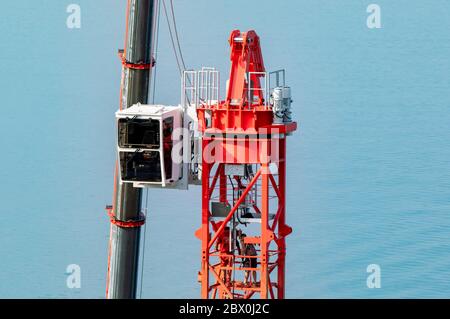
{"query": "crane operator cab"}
[(147, 135)]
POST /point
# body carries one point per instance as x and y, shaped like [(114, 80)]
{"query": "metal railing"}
[(208, 86), (189, 87), (200, 87), (264, 89), (278, 74)]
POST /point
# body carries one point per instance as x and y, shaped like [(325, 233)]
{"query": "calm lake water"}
[(369, 169)]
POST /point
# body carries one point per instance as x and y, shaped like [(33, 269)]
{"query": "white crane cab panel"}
[(146, 137)]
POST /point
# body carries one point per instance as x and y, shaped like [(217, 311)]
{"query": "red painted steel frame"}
[(245, 133), (272, 232)]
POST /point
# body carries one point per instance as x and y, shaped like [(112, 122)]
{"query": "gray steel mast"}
[(126, 215)]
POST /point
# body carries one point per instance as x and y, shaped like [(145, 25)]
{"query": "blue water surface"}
[(369, 177)]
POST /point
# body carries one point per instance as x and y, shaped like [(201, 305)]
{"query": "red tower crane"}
[(239, 159), (243, 173)]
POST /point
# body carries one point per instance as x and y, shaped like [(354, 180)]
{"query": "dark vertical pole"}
[(123, 260)]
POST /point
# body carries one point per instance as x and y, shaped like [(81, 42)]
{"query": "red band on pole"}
[(140, 66), (124, 224), (135, 66)]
